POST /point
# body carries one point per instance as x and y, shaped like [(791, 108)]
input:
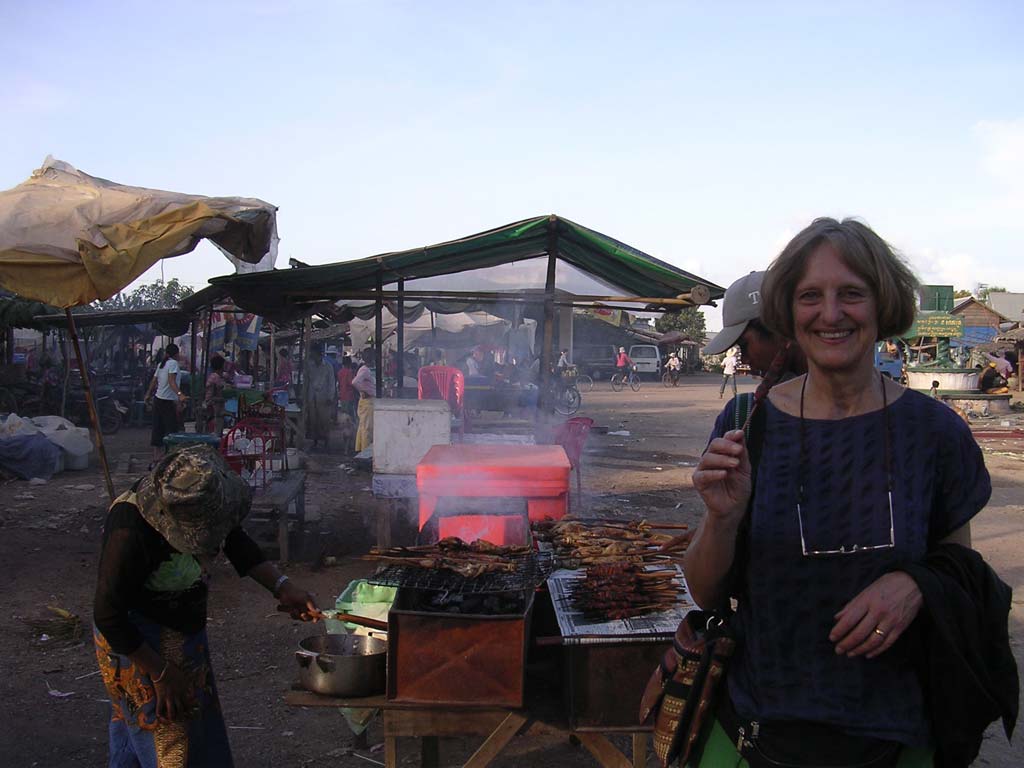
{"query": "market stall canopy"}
[(168, 322), (608, 261), (68, 238), (22, 313)]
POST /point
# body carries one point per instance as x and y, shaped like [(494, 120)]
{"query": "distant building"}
[(981, 322), (1009, 305)]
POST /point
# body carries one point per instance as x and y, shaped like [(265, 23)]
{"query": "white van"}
[(647, 359)]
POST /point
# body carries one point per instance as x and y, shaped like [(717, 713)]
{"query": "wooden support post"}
[(639, 750), (67, 375), (97, 433), (378, 334), (206, 345), (272, 367), (390, 752), (193, 373), (384, 517), (256, 360), (307, 339), (400, 362)]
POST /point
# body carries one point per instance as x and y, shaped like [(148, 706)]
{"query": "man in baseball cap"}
[(741, 318)]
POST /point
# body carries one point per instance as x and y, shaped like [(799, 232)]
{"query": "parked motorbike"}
[(109, 410)]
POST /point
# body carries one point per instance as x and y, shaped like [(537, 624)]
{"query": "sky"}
[(706, 134)]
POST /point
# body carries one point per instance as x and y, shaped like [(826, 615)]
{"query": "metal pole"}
[(92, 406), (400, 368), (549, 312), (378, 332)]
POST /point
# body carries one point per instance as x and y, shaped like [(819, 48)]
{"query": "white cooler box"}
[(404, 430)]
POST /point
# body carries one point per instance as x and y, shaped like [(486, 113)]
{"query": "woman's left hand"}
[(871, 622), (298, 603)]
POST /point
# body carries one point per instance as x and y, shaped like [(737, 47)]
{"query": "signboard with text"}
[(938, 324)]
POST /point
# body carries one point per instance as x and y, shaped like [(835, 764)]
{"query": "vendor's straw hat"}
[(193, 499)]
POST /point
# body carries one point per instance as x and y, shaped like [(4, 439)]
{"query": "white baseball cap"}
[(741, 305)]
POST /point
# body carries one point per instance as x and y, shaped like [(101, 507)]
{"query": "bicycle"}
[(670, 378), (584, 383), (619, 381), (565, 396), (568, 400)]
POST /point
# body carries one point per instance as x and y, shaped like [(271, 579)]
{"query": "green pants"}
[(720, 752)]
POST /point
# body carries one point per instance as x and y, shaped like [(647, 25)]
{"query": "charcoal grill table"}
[(606, 663), (274, 501), (498, 726)]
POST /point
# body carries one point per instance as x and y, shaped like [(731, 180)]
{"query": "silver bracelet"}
[(278, 584)]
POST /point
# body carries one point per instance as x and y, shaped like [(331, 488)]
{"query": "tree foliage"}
[(155, 295), (985, 290), (962, 293), (688, 320)]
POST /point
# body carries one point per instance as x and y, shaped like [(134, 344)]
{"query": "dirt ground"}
[(54, 707)]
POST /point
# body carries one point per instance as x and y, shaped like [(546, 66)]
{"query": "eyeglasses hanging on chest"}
[(847, 548)]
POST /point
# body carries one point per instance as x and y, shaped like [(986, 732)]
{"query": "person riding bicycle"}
[(623, 363), (674, 366)]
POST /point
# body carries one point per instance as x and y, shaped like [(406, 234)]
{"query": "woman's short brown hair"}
[(871, 258)]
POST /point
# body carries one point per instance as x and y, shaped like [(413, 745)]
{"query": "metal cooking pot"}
[(342, 665)]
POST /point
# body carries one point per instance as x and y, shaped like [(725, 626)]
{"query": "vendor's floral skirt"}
[(137, 738)]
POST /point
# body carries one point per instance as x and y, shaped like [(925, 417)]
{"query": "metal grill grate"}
[(531, 570)]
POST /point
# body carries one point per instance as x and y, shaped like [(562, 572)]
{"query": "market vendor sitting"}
[(475, 369), (991, 382), (150, 607)]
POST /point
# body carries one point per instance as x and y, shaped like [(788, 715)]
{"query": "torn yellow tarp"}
[(67, 238)]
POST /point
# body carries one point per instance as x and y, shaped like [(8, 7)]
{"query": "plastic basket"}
[(362, 599)]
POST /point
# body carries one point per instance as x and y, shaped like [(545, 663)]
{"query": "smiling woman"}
[(861, 488)]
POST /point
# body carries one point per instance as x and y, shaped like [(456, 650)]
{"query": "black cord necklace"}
[(843, 549)]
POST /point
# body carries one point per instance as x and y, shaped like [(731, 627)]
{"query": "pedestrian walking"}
[(728, 372)]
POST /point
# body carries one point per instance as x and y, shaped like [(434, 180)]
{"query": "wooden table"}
[(275, 500), (498, 727)]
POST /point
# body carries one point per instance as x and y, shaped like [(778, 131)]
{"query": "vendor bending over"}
[(150, 609)]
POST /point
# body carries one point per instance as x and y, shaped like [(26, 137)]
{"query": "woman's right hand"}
[(722, 477), (173, 697)]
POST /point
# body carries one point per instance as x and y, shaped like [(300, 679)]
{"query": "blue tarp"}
[(29, 456), (974, 335)]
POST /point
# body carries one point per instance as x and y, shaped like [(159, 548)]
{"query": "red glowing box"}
[(537, 473)]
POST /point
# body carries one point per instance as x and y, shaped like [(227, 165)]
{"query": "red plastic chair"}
[(443, 382), (572, 436)]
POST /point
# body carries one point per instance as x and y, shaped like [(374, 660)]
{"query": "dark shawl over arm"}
[(966, 664)]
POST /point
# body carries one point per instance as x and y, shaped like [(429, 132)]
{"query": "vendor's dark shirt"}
[(132, 552), (785, 667)]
